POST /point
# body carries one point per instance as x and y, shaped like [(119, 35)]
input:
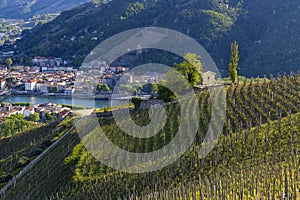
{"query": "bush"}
[(34, 117), (136, 102), (166, 94)]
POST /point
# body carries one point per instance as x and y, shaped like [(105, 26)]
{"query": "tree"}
[(8, 62), (50, 117), (154, 88), (234, 62), (10, 82), (26, 60), (34, 117), (166, 94), (137, 102), (14, 124), (53, 89), (96, 2), (190, 68), (127, 88), (6, 38), (139, 87), (102, 88)]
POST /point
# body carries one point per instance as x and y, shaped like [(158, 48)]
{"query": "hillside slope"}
[(255, 157), (267, 30), (28, 8)]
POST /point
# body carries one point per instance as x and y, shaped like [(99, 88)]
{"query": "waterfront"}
[(88, 103)]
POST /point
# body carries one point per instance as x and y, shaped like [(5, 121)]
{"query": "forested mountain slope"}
[(267, 31)]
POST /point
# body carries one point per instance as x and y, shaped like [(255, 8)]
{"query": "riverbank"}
[(77, 96), (60, 95), (61, 100)]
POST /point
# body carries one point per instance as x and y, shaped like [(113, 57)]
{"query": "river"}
[(88, 103)]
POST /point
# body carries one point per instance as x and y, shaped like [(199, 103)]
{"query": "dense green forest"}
[(267, 30), (256, 156)]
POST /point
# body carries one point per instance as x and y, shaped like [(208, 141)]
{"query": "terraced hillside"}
[(256, 156), (20, 150)]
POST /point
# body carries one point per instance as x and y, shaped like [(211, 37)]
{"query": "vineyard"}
[(20, 149), (256, 157)]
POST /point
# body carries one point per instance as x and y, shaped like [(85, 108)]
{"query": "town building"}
[(27, 112), (30, 85), (209, 78), (69, 90), (2, 84)]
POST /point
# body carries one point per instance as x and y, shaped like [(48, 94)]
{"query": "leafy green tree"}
[(50, 117), (6, 38), (77, 61), (96, 2), (139, 86), (102, 88), (154, 87), (173, 79), (10, 82), (128, 89), (56, 89), (166, 94), (14, 124), (34, 117), (234, 62), (28, 60), (8, 62), (137, 102), (190, 68)]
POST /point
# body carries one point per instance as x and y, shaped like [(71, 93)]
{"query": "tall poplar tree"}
[(234, 62)]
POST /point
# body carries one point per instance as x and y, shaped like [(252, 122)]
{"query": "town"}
[(47, 76), (38, 113), (52, 76), (55, 77)]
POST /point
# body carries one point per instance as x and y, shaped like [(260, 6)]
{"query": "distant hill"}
[(266, 30), (28, 8)]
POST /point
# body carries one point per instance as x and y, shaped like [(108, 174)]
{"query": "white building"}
[(44, 89), (69, 90), (39, 85), (57, 68), (30, 85), (27, 112), (2, 84), (209, 78)]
